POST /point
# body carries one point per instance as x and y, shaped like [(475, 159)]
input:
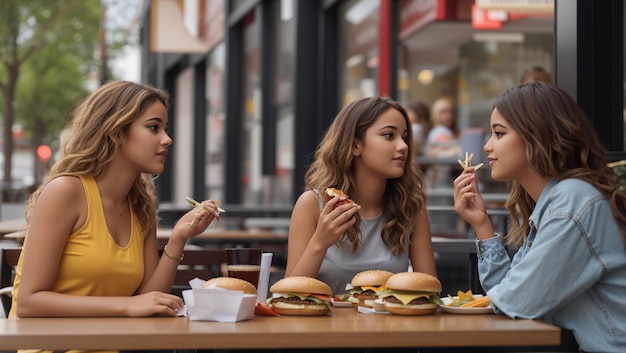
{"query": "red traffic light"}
[(44, 152)]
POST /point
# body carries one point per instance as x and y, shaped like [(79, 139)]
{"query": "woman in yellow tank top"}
[(91, 248)]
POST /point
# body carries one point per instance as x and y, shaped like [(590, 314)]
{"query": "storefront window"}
[(624, 109), (358, 57), (215, 77), (449, 54), (470, 55), (251, 129), (283, 37)]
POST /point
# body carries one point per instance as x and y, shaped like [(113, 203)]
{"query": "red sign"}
[(482, 20), (415, 14)]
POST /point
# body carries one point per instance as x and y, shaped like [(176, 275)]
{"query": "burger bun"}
[(231, 283), (399, 309), (300, 309), (301, 284), (370, 278), (414, 282)]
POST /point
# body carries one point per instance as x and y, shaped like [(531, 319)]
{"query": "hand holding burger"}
[(365, 286), (412, 293), (300, 295), (332, 192)]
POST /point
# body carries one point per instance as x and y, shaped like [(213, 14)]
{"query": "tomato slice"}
[(321, 297), (262, 309)]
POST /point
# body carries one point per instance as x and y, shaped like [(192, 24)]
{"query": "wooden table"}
[(207, 236), (229, 235), (343, 328)]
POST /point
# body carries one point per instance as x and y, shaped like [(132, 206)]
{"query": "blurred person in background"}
[(535, 73), (442, 141), (366, 153), (91, 247), (419, 116), (567, 214)]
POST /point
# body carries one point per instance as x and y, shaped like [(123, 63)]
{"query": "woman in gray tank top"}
[(365, 153)]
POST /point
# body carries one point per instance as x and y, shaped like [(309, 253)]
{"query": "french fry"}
[(195, 203), (461, 298), (468, 162), (477, 303)]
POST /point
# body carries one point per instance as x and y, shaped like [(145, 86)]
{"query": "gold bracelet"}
[(172, 257)]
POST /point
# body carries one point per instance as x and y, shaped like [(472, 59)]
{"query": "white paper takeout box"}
[(217, 304)]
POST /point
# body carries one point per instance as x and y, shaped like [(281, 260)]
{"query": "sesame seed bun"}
[(231, 283), (415, 282), (370, 278), (301, 284)]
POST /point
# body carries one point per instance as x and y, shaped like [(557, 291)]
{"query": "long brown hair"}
[(333, 166), (88, 148), (560, 144)]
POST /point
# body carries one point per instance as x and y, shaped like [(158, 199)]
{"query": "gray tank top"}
[(340, 264)]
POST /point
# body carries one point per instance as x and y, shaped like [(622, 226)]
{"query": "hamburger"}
[(332, 192), (365, 285), (411, 293), (300, 295), (231, 283)]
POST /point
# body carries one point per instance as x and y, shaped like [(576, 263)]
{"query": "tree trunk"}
[(8, 95)]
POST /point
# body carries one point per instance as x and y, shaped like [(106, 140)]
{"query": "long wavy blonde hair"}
[(333, 166), (88, 148), (560, 144)]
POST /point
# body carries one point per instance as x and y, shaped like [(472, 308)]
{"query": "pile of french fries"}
[(467, 300)]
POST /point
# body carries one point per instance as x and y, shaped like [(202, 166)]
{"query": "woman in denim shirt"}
[(568, 219)]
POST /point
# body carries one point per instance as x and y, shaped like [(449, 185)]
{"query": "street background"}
[(10, 210)]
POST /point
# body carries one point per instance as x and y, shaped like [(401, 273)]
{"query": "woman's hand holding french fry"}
[(468, 202), (468, 162)]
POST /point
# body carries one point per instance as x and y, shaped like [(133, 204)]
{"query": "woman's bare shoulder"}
[(309, 199), (63, 189)]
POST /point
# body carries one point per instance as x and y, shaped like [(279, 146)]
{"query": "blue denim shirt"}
[(570, 271)]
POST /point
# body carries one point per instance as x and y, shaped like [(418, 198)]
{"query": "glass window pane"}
[(358, 56)]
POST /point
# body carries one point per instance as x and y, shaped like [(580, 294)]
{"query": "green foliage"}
[(48, 53), (50, 85), (27, 26)]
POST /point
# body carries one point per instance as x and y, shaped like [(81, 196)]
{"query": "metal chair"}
[(8, 262)]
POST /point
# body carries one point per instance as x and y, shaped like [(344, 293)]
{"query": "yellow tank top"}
[(93, 264)]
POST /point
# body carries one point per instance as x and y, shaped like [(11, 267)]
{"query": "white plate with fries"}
[(447, 308)]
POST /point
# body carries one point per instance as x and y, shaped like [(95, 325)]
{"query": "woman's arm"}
[(469, 204), (421, 247), (60, 211), (159, 274), (311, 233)]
